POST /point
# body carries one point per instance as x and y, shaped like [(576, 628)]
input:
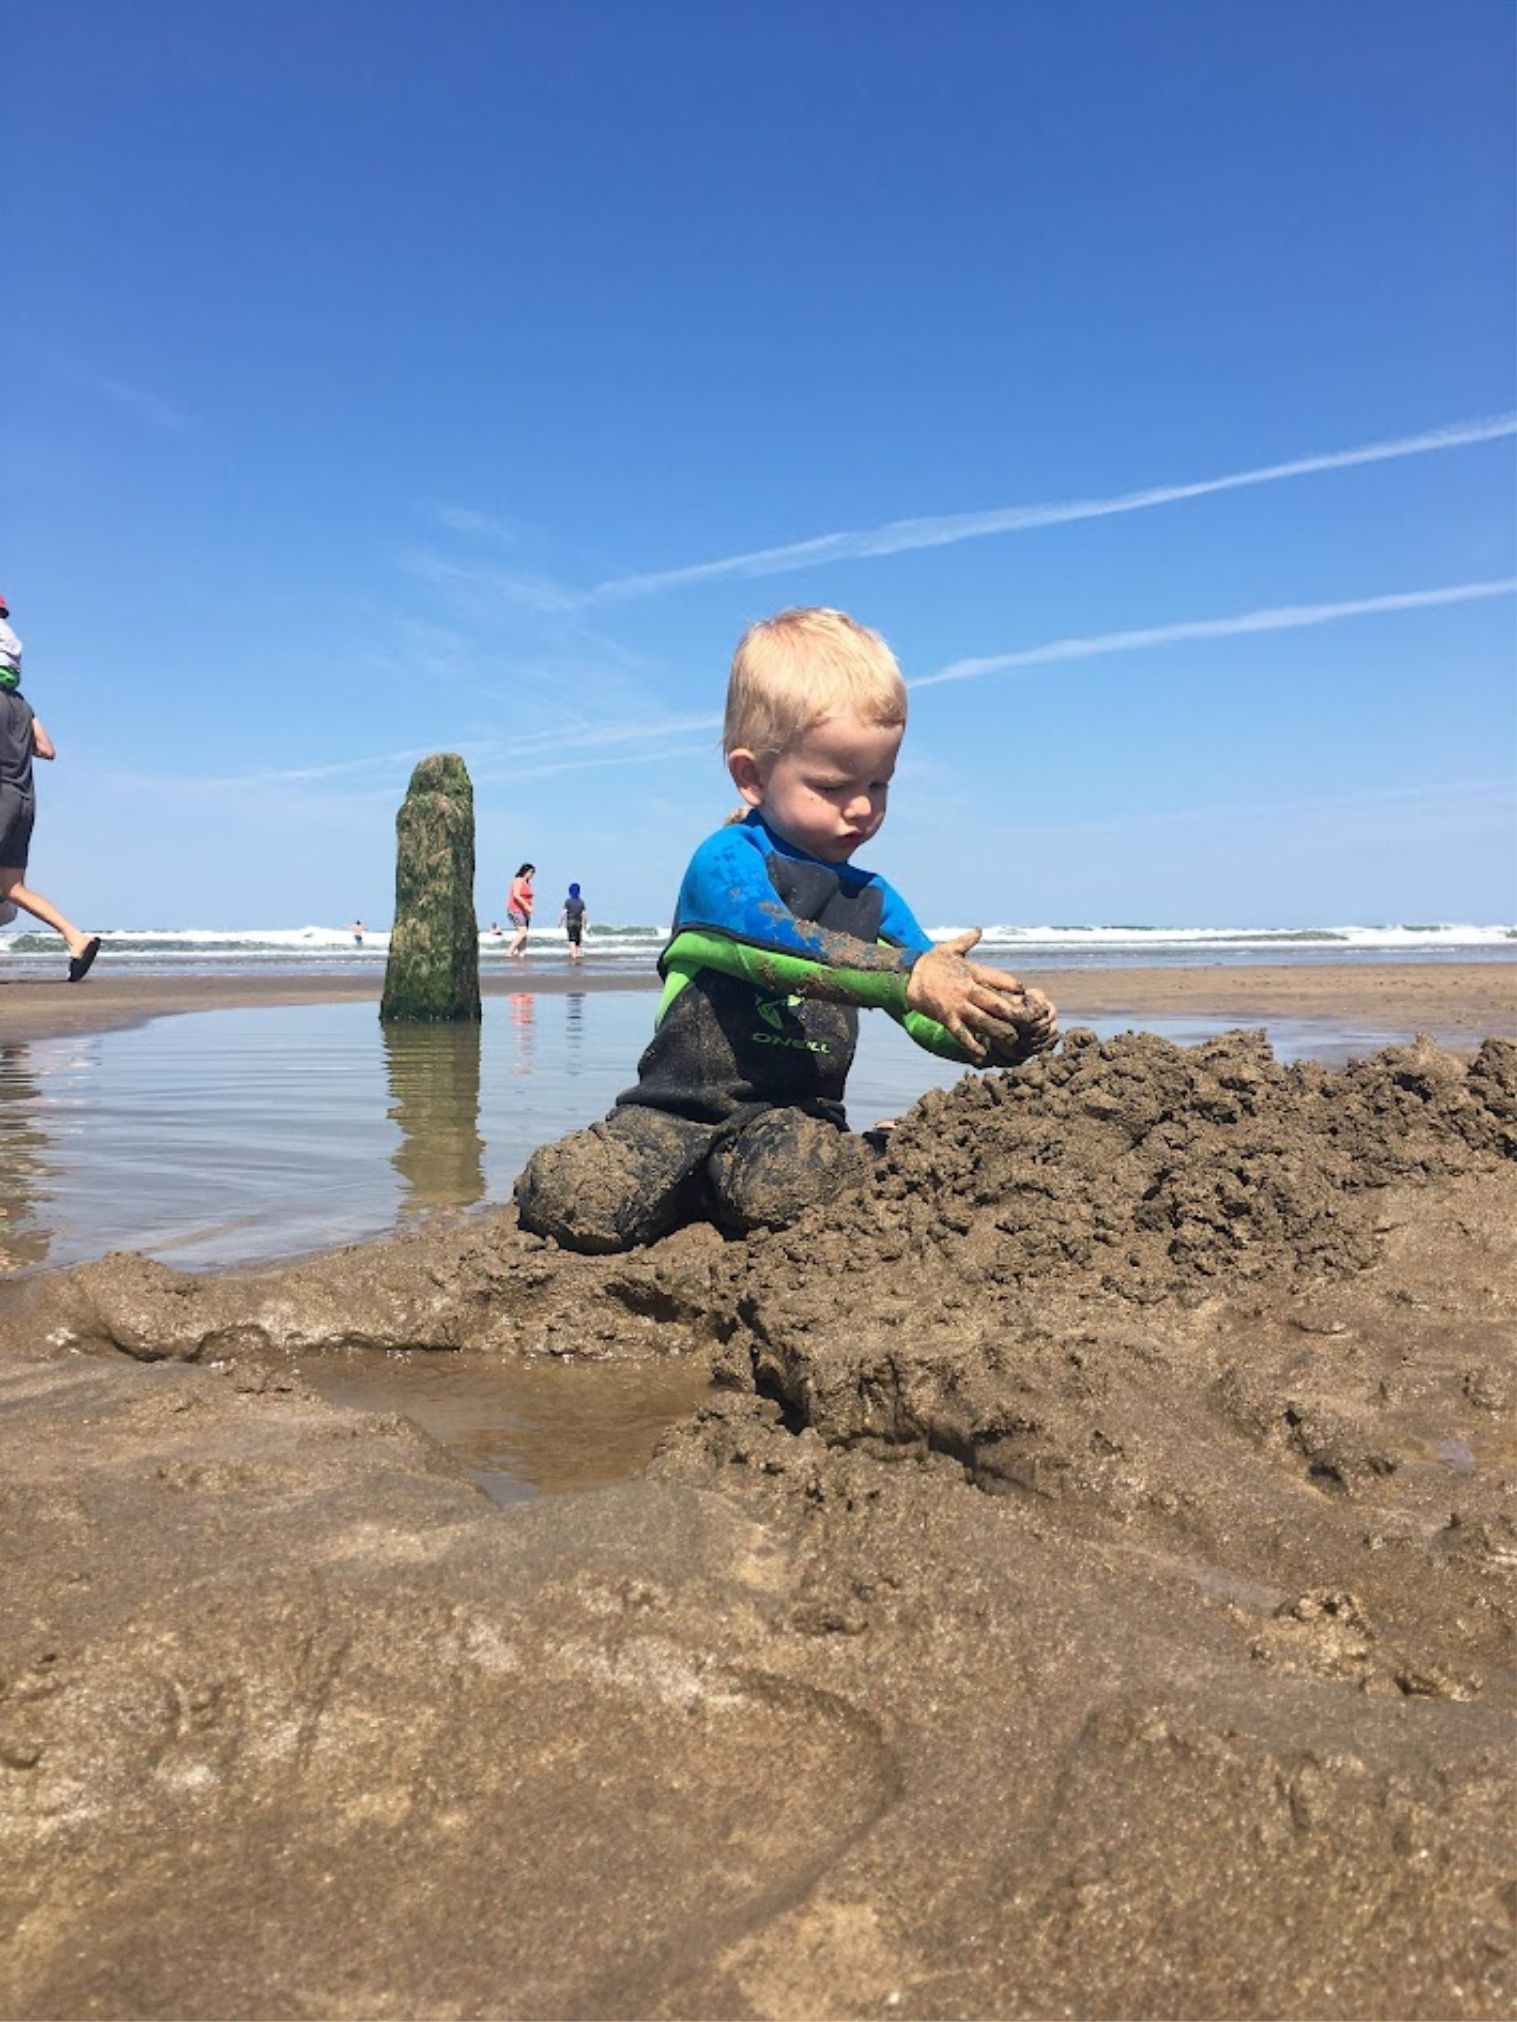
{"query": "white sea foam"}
[(636, 945), (1433, 935)]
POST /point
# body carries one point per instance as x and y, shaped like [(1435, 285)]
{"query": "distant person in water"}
[(22, 738), (356, 929), (519, 908), (574, 919)]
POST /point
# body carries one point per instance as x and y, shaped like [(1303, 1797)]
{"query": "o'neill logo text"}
[(773, 1011)]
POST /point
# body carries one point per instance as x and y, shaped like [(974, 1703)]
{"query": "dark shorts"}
[(18, 811), (575, 929)]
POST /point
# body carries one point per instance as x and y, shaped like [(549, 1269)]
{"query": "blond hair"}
[(794, 670)]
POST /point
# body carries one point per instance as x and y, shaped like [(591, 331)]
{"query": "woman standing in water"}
[(519, 908)]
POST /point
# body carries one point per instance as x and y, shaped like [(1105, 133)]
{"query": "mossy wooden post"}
[(433, 970)]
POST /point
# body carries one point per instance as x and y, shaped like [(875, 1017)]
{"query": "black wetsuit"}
[(738, 1108), (772, 955)]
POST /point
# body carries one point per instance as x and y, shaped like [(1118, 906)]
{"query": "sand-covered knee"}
[(620, 1183), (782, 1165)]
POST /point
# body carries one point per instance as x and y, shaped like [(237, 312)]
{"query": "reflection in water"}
[(222, 1137), (574, 1003), (524, 1429), (523, 1009), (434, 1097), (23, 1170)]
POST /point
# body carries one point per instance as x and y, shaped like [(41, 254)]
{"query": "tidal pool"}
[(523, 1429), (228, 1137)]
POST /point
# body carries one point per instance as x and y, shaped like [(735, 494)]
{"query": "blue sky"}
[(381, 378)]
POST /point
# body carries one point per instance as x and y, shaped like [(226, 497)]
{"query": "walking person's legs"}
[(17, 814), (82, 947)]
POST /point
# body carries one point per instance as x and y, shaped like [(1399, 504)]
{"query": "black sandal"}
[(79, 965)]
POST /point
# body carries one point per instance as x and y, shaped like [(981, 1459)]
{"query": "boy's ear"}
[(746, 775)]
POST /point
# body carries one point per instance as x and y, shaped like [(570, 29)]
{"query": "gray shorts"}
[(18, 811)]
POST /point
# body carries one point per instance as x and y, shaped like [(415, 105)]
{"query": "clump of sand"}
[(1149, 1169)]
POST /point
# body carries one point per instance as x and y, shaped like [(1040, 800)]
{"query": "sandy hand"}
[(989, 1011)]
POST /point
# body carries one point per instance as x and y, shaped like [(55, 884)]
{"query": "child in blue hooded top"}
[(574, 919), (778, 943)]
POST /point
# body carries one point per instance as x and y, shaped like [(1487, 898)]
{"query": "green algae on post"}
[(432, 973)]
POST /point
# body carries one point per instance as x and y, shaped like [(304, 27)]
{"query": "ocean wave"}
[(262, 945), (1131, 937), (320, 942)]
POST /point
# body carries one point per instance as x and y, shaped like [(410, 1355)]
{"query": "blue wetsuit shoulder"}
[(730, 888)]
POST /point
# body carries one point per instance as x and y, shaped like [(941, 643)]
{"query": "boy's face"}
[(827, 793)]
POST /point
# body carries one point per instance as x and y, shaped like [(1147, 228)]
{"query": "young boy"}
[(777, 944), (574, 918)]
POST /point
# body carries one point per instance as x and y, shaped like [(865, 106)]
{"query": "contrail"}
[(897, 536), (1283, 618)]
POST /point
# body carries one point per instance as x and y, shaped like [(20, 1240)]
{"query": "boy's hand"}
[(987, 1010)]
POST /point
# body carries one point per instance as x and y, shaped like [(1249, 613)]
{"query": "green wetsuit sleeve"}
[(836, 982), (935, 1038), (769, 969)]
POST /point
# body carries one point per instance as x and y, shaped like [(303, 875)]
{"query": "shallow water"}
[(523, 1430), (225, 1137)]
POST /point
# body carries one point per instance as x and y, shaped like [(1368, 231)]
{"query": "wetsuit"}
[(771, 956), (738, 1109)]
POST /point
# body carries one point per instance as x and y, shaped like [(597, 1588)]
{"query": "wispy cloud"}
[(490, 761), (1282, 618), (1478, 802), (274, 779), (579, 745), (476, 525), (151, 406), (899, 536), (596, 736), (654, 756), (495, 585)]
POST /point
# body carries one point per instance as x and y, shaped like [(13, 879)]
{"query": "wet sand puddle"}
[(226, 1137), (522, 1430)]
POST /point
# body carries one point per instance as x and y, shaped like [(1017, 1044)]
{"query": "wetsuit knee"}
[(622, 1182), (776, 1167)]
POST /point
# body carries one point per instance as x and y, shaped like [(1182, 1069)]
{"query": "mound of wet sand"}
[(1151, 1170), (1090, 1594), (1109, 1180)]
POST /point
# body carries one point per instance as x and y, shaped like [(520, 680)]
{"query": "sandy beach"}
[(804, 1489), (1087, 1590), (1461, 1002)]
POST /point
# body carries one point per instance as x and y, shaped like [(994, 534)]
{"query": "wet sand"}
[(1455, 1000), (36, 1007), (1089, 1594), (1475, 999)]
